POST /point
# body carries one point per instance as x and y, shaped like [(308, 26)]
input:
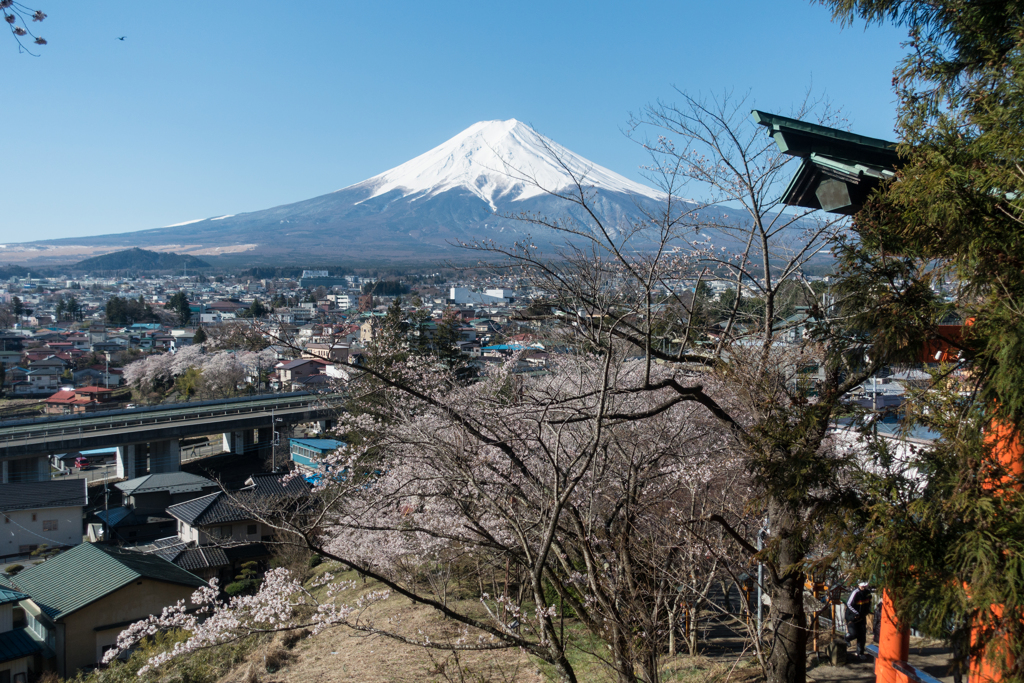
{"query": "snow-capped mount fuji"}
[(498, 161), (460, 191)]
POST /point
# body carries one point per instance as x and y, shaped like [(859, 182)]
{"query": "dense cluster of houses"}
[(172, 533), (69, 363)]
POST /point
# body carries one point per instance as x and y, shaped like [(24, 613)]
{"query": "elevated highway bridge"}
[(147, 438)]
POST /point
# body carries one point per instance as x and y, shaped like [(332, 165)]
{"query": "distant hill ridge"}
[(141, 259)]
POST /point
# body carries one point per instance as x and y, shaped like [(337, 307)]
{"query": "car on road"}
[(82, 463)]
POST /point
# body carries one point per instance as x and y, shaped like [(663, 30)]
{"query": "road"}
[(81, 432)]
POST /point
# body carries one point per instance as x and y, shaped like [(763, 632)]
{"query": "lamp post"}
[(275, 437)]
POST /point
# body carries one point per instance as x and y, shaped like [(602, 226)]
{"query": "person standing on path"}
[(857, 609)]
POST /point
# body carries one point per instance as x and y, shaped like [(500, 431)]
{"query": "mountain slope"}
[(463, 190)]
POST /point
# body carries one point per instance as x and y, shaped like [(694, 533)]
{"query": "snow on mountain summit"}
[(495, 160)]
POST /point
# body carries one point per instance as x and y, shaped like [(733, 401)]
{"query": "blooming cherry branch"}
[(210, 621), (15, 12)]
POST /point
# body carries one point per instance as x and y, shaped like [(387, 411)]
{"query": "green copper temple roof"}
[(838, 169)]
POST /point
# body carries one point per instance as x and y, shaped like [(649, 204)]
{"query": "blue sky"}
[(210, 108)]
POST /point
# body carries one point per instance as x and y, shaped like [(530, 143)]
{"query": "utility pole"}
[(106, 508)]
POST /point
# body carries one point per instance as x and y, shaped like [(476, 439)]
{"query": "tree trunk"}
[(622, 661), (566, 673), (694, 620), (649, 666), (788, 662), (672, 629)]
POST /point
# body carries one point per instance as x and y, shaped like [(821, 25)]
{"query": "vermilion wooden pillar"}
[(982, 671), (1007, 449), (893, 645), (1009, 453)]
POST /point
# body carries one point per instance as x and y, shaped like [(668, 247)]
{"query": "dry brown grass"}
[(343, 654), (346, 654)]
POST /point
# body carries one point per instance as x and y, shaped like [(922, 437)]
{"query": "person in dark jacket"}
[(858, 607)]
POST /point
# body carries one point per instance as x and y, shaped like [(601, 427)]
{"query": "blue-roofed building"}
[(18, 646), (308, 453), (513, 347)]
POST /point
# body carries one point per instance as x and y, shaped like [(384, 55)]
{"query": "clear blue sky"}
[(210, 108)]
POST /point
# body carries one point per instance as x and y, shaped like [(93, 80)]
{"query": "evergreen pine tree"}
[(947, 542)]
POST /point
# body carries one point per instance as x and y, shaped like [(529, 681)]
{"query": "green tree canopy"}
[(123, 311), (179, 304), (948, 545), (256, 310)]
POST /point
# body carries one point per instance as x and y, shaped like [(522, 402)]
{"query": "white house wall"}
[(208, 535), (19, 528)]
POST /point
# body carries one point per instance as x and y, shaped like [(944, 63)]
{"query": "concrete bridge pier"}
[(25, 469), (239, 442), (232, 442), (126, 461), (164, 456), (249, 441), (139, 459), (265, 441)]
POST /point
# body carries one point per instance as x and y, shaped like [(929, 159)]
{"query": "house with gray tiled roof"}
[(143, 517), (158, 491), (79, 601), (216, 532)]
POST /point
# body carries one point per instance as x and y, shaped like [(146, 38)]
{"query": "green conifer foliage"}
[(947, 537)]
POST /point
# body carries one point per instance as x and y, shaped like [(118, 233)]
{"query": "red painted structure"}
[(893, 645)]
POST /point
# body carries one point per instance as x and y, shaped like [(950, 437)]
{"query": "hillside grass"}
[(346, 654)]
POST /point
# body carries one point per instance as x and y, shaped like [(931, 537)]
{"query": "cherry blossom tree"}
[(576, 479), (210, 621), (632, 282), (639, 461), (19, 18), (219, 374)]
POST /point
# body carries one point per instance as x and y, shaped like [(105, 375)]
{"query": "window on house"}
[(49, 525), (33, 516), (225, 531), (5, 676), (250, 530)]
